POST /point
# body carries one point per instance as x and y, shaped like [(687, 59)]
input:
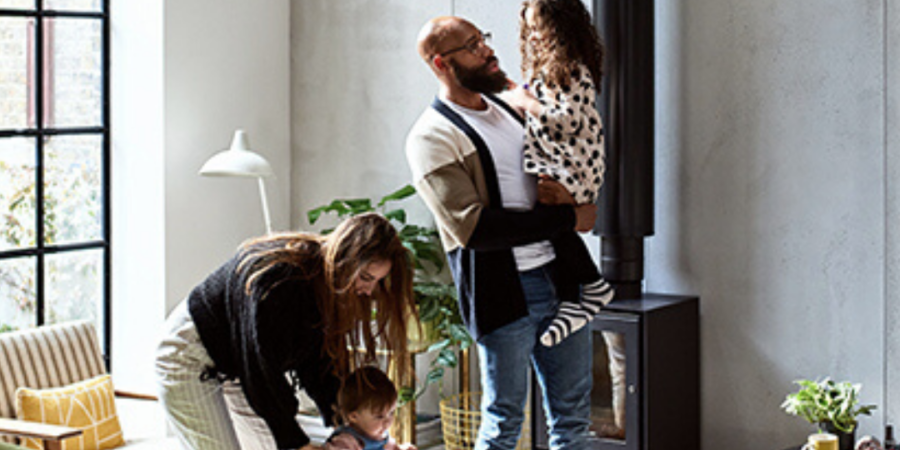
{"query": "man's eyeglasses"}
[(473, 45)]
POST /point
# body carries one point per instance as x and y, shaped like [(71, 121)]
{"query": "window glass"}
[(74, 286), (17, 293), (72, 189), (72, 5), (75, 86), (17, 193), (14, 71), (16, 4)]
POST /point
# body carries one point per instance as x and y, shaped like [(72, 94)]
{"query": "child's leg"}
[(571, 317), (596, 295)]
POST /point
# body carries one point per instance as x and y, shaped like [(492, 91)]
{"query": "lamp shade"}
[(237, 161)]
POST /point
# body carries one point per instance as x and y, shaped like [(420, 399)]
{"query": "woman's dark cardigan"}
[(260, 342)]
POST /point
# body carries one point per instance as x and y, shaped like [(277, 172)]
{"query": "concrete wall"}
[(357, 83), (773, 197), (771, 201), (892, 213)]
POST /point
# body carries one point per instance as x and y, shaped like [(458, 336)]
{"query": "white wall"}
[(186, 75), (773, 200), (138, 186), (226, 67)]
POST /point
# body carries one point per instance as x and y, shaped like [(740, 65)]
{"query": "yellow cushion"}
[(88, 405)]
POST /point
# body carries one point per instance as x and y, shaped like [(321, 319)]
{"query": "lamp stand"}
[(265, 204)]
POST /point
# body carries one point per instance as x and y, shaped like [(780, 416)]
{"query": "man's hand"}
[(343, 441), (585, 216), (310, 446), (551, 192)]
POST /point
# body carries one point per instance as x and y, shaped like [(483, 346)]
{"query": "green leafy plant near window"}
[(827, 401), (435, 295)]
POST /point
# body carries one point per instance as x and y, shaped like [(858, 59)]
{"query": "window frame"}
[(40, 132)]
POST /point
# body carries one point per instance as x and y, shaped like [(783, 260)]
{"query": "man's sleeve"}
[(447, 187)]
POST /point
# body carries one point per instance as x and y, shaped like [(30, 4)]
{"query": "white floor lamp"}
[(240, 161)]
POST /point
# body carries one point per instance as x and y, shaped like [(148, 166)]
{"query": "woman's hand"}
[(310, 446)]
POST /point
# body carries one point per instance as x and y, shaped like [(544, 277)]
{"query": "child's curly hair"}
[(365, 388), (569, 39)]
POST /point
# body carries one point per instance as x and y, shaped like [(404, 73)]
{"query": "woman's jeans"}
[(564, 373)]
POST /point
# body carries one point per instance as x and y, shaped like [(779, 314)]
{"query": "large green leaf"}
[(439, 345), (459, 334), (396, 214), (399, 194), (446, 357), (359, 205), (336, 206)]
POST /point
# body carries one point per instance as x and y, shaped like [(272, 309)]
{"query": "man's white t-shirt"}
[(504, 137)]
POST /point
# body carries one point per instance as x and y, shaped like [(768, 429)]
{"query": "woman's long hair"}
[(354, 327), (569, 39)]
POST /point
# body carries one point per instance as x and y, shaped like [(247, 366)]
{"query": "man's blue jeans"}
[(564, 373)]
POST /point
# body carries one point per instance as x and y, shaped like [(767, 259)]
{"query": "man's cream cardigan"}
[(454, 174)]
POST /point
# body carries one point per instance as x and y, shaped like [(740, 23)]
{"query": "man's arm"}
[(449, 191), (539, 224)]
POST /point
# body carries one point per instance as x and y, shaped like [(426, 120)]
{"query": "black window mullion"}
[(107, 183), (53, 249), (40, 288)]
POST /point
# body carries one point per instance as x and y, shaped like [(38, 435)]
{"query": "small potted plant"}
[(832, 406)]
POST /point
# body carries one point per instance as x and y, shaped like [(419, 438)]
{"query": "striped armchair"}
[(58, 355)]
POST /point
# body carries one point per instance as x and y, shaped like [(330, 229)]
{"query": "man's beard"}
[(479, 79)]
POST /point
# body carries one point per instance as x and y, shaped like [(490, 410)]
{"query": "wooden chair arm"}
[(135, 395), (51, 434)]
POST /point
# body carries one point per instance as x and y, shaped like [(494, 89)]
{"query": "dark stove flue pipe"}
[(625, 215)]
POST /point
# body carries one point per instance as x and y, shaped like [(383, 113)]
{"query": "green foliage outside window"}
[(71, 214)]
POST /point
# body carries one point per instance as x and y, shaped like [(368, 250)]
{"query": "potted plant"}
[(442, 329), (832, 406)]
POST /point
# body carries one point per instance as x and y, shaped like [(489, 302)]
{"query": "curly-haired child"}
[(562, 59)]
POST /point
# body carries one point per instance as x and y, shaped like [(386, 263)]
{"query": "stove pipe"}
[(625, 204)]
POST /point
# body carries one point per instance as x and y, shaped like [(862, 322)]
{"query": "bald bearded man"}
[(505, 249)]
